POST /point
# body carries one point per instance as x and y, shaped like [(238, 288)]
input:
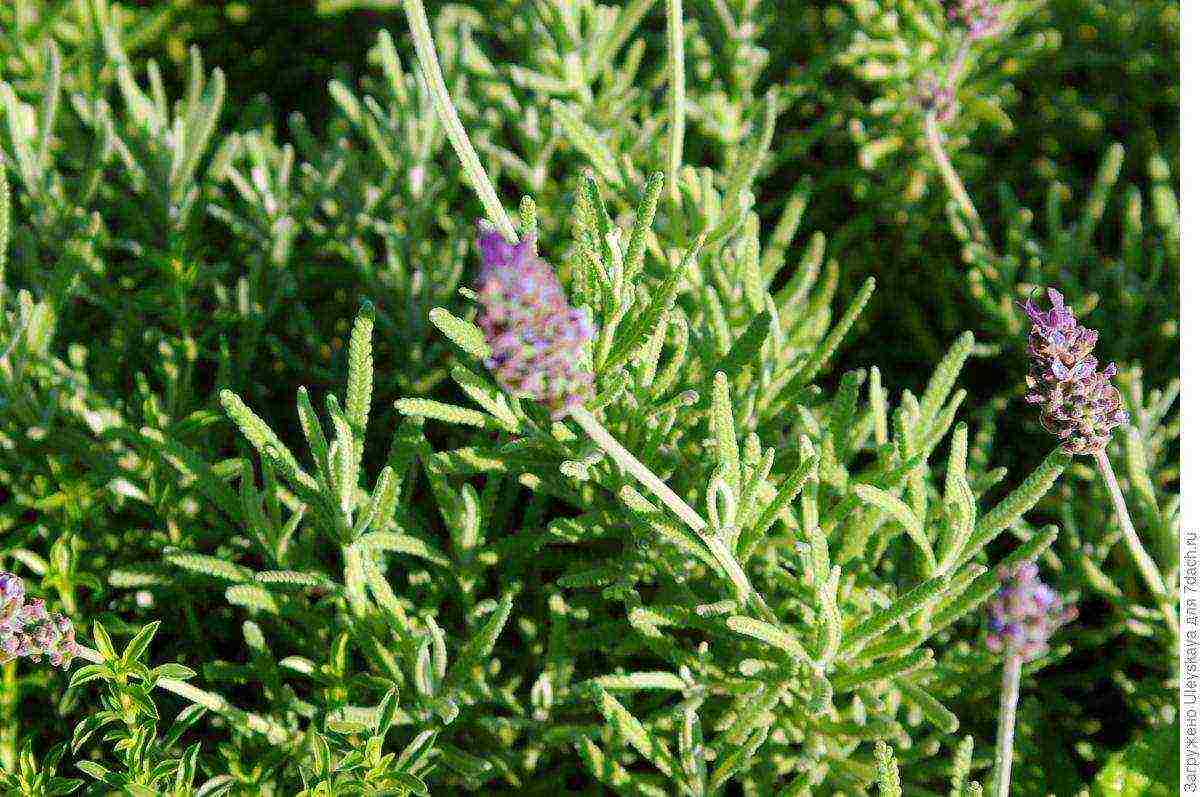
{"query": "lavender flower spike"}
[(1079, 404), (539, 342), (936, 96), (27, 629), (1025, 613), (981, 18)]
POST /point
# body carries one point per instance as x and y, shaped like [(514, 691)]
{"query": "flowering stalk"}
[(27, 630), (1141, 557), (538, 346), (9, 698), (933, 137), (538, 341), (1021, 619), (981, 20), (630, 464), (1010, 686), (432, 70), (1082, 408)]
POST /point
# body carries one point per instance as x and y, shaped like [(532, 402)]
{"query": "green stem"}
[(10, 696), (933, 137), (675, 93), (427, 55), (1010, 687), (630, 464), (1141, 557), (956, 67), (213, 702)]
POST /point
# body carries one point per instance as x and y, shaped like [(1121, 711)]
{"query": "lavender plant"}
[(626, 488)]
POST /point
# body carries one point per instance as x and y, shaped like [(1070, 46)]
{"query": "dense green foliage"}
[(250, 445)]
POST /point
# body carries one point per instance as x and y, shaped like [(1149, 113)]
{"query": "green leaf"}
[(636, 328), (103, 641), (632, 731), (787, 493), (585, 139), (888, 770), (463, 334), (635, 252), (1016, 503), (358, 384), (1147, 767), (173, 670), (140, 642), (771, 635), (903, 514), (86, 674), (92, 768), (795, 387), (852, 679), (265, 441), (942, 381), (721, 427), (481, 644), (933, 710), (5, 205), (449, 413), (746, 348)]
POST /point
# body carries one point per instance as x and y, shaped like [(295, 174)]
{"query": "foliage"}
[(248, 430)]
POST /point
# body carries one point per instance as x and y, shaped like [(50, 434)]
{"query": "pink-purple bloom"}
[(936, 96), (27, 629), (538, 341), (981, 18), (1025, 613), (1079, 403)]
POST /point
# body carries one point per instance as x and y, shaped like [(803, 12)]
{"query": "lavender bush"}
[(567, 397)]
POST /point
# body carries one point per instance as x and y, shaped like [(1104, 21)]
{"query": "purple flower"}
[(27, 629), (981, 18), (934, 95), (1079, 403), (538, 341), (1025, 613)]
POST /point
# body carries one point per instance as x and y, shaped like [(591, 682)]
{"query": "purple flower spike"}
[(934, 95), (1025, 613), (981, 18), (1079, 403), (538, 341), (27, 629)]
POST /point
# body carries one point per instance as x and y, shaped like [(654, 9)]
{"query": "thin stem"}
[(1141, 557), (9, 698), (1010, 687), (675, 94), (634, 467), (432, 70), (956, 68), (933, 136), (273, 731)]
